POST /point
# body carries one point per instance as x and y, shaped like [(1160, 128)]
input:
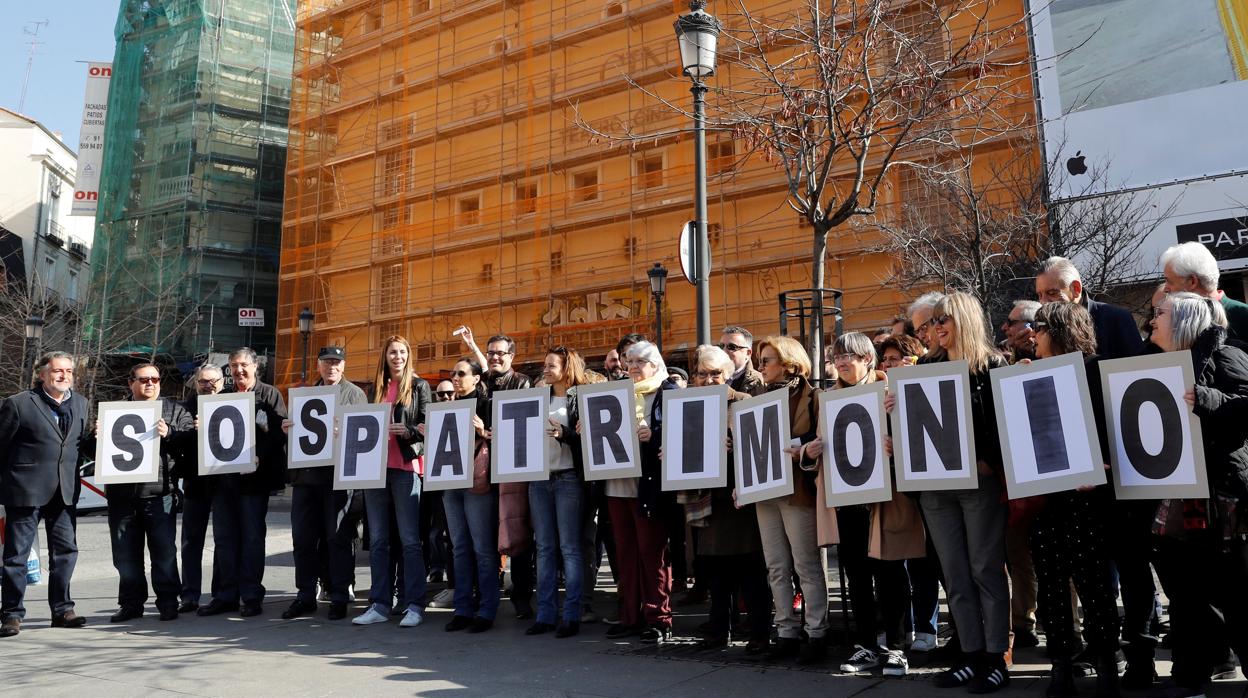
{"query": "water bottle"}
[(33, 574)]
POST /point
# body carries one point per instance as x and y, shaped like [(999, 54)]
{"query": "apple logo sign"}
[(1076, 165)]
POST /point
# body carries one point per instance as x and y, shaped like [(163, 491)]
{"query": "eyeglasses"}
[(941, 320), (707, 375), (446, 393), (498, 354), (147, 380), (208, 383), (730, 347), (839, 358)]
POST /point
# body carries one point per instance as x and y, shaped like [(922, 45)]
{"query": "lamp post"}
[(698, 34), (658, 289), (34, 333), (305, 328)]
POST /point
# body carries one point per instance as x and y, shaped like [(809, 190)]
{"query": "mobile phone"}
[(459, 331)]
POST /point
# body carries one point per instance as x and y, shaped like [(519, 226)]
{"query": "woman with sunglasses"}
[(1069, 536), (787, 525), (555, 505), (729, 543), (968, 526), (399, 501), (1202, 544), (472, 518)]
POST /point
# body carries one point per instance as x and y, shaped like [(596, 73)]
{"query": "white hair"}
[(1066, 271), (1027, 310), (926, 301), (1190, 316), (712, 357), (1193, 259), (646, 351)]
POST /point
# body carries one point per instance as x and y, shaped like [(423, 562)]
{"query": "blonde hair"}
[(970, 332), (791, 353), (710, 357), (382, 382)]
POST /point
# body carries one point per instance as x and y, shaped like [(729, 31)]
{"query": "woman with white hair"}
[(637, 511), (1202, 545)]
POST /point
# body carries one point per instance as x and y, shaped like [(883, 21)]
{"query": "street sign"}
[(251, 317), (688, 251)]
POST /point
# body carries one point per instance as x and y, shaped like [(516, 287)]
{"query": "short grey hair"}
[(1193, 259), (245, 352), (859, 345), (1190, 315), (1027, 310), (1065, 270), (53, 356), (646, 351), (708, 356), (209, 367), (926, 301), (737, 329)]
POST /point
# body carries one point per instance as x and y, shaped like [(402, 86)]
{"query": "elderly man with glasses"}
[(738, 344), (196, 495)]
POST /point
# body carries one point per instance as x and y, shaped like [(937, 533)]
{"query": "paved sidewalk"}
[(266, 656)]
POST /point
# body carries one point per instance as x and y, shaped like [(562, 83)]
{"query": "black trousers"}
[(196, 512), (318, 513), (876, 587), (729, 577), (1132, 553), (1069, 542), (133, 521)]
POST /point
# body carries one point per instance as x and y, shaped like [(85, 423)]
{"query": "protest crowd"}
[(1057, 564)]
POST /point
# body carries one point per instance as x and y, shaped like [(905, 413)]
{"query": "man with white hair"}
[(1020, 336), (920, 312), (1117, 336), (1190, 266)]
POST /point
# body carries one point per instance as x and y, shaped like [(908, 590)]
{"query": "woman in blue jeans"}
[(399, 500), (472, 519), (555, 505)]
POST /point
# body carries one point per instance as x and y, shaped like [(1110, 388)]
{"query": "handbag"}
[(481, 469)]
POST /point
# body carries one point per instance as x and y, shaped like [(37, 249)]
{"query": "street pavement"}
[(266, 656)]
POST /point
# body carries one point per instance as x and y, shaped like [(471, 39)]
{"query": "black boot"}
[(1141, 671), (783, 648), (1062, 683), (1107, 675), (813, 651)]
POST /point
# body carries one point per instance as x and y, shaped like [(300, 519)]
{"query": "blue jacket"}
[(1117, 335)]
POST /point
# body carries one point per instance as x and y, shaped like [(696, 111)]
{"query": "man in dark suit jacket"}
[(41, 431), (1117, 334), (739, 345)]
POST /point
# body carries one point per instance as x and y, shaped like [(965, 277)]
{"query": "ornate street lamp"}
[(658, 289), (306, 316)]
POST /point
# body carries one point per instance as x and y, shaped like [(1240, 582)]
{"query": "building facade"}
[(444, 171), (191, 187)]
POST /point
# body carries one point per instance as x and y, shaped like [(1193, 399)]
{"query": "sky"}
[(77, 30)]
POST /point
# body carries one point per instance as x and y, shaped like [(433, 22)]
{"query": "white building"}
[(37, 174)]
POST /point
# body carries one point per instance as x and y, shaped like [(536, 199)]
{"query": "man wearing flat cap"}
[(320, 516)]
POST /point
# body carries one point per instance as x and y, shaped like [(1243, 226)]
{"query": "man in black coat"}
[(1117, 335), (41, 433), (196, 497), (320, 518), (139, 511), (241, 502)]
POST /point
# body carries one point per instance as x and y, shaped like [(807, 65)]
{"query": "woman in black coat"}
[(1202, 545)]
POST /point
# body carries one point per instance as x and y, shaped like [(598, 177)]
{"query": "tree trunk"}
[(815, 331)]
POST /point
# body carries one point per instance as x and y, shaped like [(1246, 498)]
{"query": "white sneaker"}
[(923, 642), (863, 659), (443, 599), (371, 616), (895, 663), (412, 618)]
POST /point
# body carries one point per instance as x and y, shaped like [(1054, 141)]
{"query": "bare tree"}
[(836, 93), (980, 221)]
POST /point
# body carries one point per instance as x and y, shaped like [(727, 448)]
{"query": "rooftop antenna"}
[(30, 29)]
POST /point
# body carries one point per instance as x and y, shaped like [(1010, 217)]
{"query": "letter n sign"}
[(933, 440), (1156, 448)]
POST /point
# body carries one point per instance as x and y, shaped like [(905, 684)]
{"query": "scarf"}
[(62, 409), (644, 388)]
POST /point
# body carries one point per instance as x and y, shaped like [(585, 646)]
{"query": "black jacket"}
[(983, 410), (1117, 335), (1222, 405), (37, 458), (348, 394), (270, 475), (650, 495), (186, 463), (411, 415), (172, 448), (511, 380)]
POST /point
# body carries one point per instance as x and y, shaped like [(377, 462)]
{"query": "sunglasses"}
[(461, 374), (728, 346), (147, 380), (941, 320), (446, 393)]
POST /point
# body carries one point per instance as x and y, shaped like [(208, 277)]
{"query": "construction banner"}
[(91, 140)]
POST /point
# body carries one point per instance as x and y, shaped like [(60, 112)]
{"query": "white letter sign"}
[(127, 449), (695, 434), (1156, 448), (519, 445), (608, 418), (1048, 432), (760, 433), (312, 434), (855, 470), (933, 444), (363, 447), (449, 439), (227, 433)]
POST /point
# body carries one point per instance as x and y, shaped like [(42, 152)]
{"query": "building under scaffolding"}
[(190, 208), (438, 176)]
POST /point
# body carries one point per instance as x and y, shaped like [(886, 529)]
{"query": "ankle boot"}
[(1107, 675), (1062, 682)]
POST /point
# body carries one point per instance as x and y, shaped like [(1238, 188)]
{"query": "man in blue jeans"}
[(42, 430), (139, 511)]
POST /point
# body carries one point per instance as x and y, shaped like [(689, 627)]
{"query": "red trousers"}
[(641, 562)]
